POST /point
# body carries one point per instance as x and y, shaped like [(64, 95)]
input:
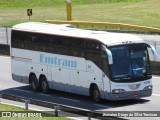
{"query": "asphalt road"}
[(7, 85)]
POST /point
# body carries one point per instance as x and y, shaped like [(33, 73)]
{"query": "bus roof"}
[(108, 38)]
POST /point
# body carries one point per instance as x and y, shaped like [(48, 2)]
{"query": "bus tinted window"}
[(44, 43), (60, 45), (30, 41), (76, 47), (17, 39), (93, 52)]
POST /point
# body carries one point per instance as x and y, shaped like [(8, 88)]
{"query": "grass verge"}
[(137, 12), (9, 108)]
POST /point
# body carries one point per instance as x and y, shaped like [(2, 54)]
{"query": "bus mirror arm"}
[(154, 51), (109, 54)]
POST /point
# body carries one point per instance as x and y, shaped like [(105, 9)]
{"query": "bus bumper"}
[(131, 95)]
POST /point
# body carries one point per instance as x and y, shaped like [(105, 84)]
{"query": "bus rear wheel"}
[(34, 83), (44, 85), (96, 94)]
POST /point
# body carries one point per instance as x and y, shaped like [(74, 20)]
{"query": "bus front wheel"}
[(96, 94)]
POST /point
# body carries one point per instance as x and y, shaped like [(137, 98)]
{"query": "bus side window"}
[(93, 52), (17, 39), (60, 45), (49, 45), (40, 44), (76, 47), (45, 43), (29, 41)]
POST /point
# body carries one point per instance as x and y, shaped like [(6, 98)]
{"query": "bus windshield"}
[(130, 61)]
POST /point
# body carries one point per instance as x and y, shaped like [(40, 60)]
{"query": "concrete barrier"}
[(4, 49)]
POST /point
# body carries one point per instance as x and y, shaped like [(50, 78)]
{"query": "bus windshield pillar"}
[(154, 52), (109, 54)]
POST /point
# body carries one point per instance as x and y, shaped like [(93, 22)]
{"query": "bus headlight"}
[(117, 91), (148, 87)]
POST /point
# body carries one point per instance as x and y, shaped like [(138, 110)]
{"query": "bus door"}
[(107, 60)]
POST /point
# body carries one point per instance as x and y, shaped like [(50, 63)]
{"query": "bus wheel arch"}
[(43, 84), (94, 92), (33, 81)]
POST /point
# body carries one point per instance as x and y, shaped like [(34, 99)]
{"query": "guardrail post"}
[(155, 44), (26, 104), (56, 108), (69, 10), (90, 115)]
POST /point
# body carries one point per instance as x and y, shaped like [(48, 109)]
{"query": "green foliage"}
[(136, 12), (102, 1), (53, 3), (30, 3)]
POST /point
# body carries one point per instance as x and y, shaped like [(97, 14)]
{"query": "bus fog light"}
[(148, 87), (117, 91)]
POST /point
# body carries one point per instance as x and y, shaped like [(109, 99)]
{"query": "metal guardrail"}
[(107, 24), (58, 108)]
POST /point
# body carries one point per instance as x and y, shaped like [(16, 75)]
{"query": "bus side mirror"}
[(154, 52), (109, 54)]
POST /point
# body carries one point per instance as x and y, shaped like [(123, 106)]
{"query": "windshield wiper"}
[(123, 76)]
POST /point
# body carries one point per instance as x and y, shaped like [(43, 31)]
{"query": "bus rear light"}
[(117, 91)]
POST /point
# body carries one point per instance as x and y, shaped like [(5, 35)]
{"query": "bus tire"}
[(34, 82), (96, 94), (44, 84)]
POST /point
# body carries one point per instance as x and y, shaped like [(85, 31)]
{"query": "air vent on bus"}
[(67, 27), (99, 32)]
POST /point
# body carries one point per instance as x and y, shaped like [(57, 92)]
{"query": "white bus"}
[(99, 64)]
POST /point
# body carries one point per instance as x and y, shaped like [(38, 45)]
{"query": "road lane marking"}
[(102, 106), (33, 92), (23, 90), (69, 99), (156, 77), (156, 94), (45, 94), (74, 118)]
